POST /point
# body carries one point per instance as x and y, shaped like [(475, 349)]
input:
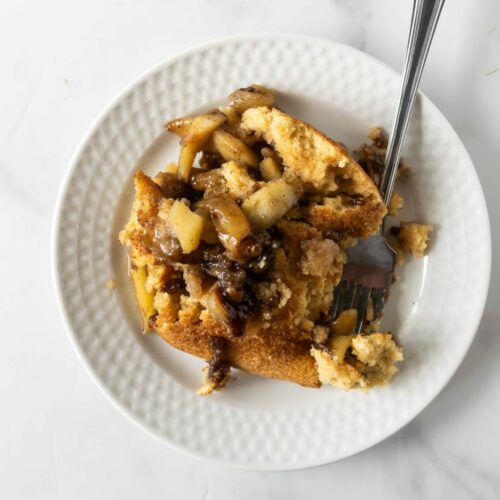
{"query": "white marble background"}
[(61, 62)]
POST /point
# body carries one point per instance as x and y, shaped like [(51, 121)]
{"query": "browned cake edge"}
[(266, 353)]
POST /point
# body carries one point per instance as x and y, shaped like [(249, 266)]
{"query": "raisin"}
[(209, 161), (230, 275), (218, 366), (249, 248), (356, 200), (238, 314), (172, 249), (174, 281), (262, 264), (173, 187)]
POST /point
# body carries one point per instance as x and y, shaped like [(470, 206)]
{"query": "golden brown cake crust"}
[(359, 222), (267, 353)]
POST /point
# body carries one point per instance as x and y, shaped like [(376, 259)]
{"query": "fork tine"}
[(337, 299), (357, 292), (350, 296), (364, 297), (378, 302)]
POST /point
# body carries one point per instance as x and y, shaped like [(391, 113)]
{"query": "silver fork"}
[(370, 266)]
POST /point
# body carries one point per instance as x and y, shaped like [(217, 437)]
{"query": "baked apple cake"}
[(235, 249)]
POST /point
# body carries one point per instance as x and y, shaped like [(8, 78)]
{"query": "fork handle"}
[(424, 19)]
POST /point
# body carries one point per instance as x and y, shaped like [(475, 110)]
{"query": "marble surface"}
[(62, 62)]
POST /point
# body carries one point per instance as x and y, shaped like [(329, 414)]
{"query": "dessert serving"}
[(235, 249)]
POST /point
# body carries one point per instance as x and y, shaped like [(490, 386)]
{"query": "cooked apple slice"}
[(145, 299), (179, 126), (186, 225), (200, 131), (250, 97), (339, 346), (346, 322), (269, 169), (230, 222), (267, 205), (209, 234), (232, 148)]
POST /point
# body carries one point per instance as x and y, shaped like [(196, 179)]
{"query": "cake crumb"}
[(318, 256), (320, 334), (396, 204), (413, 237), (111, 284), (372, 362), (403, 171), (208, 386), (341, 375)]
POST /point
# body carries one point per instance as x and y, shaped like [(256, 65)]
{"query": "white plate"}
[(258, 423)]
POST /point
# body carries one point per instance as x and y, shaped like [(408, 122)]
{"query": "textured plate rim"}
[(482, 288)]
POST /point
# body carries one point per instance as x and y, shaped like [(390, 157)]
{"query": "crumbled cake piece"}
[(235, 251), (318, 256), (403, 171), (412, 237), (276, 293), (378, 137), (377, 353), (348, 242), (370, 363), (320, 334), (341, 375)]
